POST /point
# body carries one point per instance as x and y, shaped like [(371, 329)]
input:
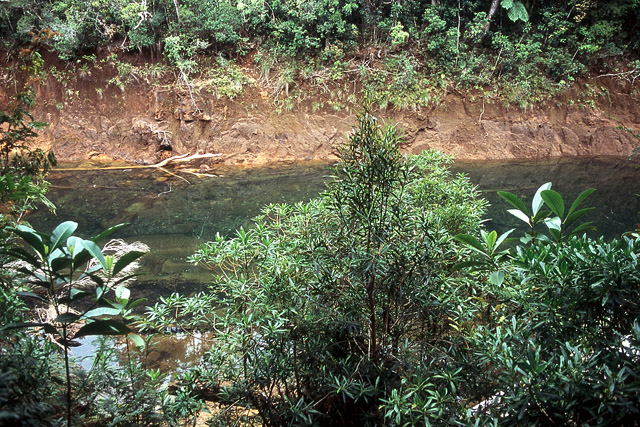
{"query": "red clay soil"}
[(145, 123)]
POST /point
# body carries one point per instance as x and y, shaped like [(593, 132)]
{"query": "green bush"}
[(328, 303)]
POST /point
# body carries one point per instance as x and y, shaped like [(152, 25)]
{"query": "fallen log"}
[(175, 159)]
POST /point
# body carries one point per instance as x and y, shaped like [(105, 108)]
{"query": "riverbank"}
[(146, 121)]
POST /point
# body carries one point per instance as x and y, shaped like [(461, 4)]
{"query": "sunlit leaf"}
[(137, 340), (537, 201), (61, 233), (520, 215), (101, 311)]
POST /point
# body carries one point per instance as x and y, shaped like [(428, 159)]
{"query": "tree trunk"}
[(492, 11)]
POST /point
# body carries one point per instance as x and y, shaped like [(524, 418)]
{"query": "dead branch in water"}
[(175, 159)]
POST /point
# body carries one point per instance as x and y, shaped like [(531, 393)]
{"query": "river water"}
[(175, 212)]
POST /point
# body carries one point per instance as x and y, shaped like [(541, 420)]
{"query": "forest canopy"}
[(529, 48)]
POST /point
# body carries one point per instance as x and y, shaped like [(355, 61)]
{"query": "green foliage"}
[(327, 303), (60, 271), (559, 343), (22, 168), (524, 58)]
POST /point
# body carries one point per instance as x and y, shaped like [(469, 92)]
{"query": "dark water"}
[(174, 216)]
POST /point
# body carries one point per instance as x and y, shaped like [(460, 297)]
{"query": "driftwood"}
[(175, 159)]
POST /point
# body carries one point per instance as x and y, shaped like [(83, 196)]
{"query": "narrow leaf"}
[(585, 226), (31, 295), (491, 240), (101, 311), (503, 237), (77, 294), (67, 318), (20, 325), (33, 238), (106, 233), (465, 264), (574, 216), (95, 252)]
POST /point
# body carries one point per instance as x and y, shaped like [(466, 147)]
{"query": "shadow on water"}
[(174, 217)]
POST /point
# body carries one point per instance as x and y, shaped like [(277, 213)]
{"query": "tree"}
[(329, 303)]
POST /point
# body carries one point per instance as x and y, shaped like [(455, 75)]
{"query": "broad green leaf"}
[(518, 12), (553, 199), (470, 242), (514, 201), (67, 318), (555, 233), (75, 245), (95, 252), (491, 240), (103, 327), (125, 260), (106, 233), (122, 294), (61, 233), (520, 215), (496, 278), (137, 340), (537, 201), (541, 215), (59, 263), (553, 223), (101, 311), (574, 216), (32, 237), (578, 201), (507, 4), (23, 255)]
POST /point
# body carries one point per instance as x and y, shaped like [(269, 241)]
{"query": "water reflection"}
[(174, 216)]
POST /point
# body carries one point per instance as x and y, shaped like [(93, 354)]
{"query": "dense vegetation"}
[(381, 302), (402, 54)]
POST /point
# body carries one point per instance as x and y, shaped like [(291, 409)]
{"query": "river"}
[(174, 212)]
